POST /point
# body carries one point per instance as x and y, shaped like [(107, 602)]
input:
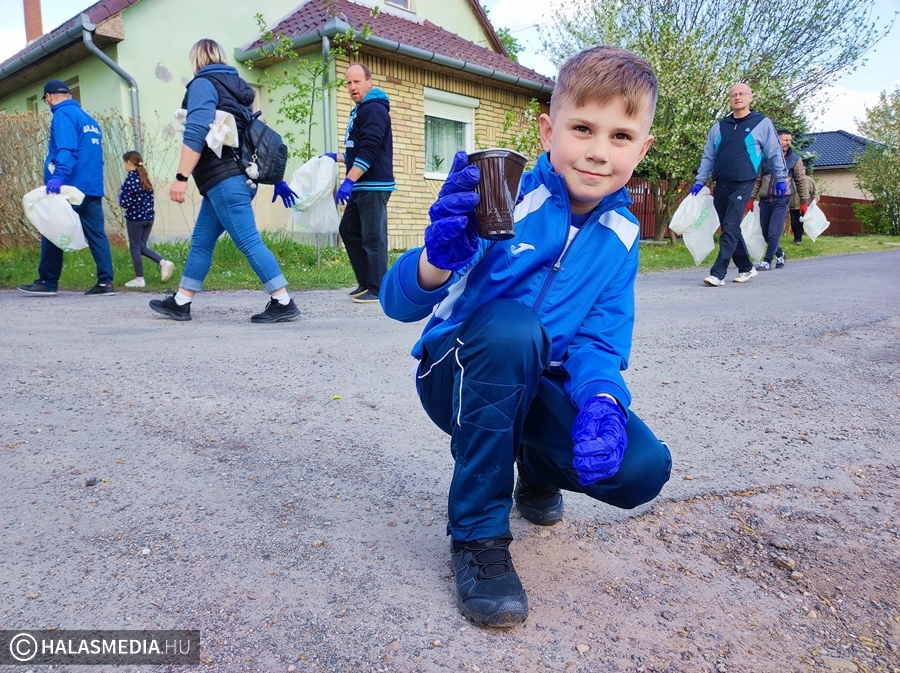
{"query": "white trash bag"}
[(814, 222), (751, 230), (52, 215), (315, 210), (696, 220)]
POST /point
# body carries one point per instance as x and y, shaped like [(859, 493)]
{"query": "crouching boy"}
[(521, 360)]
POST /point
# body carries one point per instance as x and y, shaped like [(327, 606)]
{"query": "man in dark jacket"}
[(773, 208), (369, 158), (735, 149), (74, 158)]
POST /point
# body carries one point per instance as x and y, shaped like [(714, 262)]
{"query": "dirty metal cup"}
[(501, 171)]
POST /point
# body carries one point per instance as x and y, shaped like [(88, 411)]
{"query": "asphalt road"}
[(279, 486)]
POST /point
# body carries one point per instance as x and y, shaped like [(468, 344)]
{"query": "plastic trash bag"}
[(222, 131), (696, 220), (315, 210), (814, 222), (52, 215), (751, 231)]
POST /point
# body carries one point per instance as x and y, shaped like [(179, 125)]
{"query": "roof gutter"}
[(61, 41), (339, 27), (87, 35)]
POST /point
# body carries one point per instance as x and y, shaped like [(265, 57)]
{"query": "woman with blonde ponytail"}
[(136, 197)]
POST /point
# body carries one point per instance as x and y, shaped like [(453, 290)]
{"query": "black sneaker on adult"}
[(368, 298), (488, 589), (99, 289), (541, 505), (168, 307), (37, 288), (275, 312), (358, 291)]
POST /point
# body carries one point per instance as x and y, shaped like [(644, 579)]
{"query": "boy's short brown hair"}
[(603, 74)]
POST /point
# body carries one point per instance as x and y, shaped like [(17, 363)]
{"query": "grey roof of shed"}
[(836, 149)]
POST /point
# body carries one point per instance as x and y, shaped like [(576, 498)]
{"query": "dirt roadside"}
[(281, 489)]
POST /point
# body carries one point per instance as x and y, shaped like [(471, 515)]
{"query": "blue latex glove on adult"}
[(696, 189), (330, 155), (600, 440), (53, 185), (288, 196), (780, 188), (452, 237), (343, 192)]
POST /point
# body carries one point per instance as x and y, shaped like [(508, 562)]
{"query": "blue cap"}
[(55, 86)]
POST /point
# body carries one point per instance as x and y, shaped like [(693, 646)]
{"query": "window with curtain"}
[(449, 128)]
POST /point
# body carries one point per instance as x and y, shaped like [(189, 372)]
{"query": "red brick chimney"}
[(34, 26)]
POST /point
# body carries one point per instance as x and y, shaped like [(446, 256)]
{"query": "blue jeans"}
[(486, 386), (226, 207), (91, 213), (363, 230), (771, 221), (730, 201)]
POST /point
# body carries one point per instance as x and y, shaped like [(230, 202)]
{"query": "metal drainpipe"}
[(87, 35), (326, 94)]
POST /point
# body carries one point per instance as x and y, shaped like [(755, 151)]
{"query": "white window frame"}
[(454, 107), (402, 4)]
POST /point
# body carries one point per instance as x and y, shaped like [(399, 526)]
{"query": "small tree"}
[(511, 44), (526, 137), (878, 172), (303, 81)]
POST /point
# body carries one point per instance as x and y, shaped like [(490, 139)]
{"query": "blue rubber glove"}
[(600, 440), (452, 237), (696, 189), (780, 188), (53, 185), (286, 193), (330, 155), (343, 192)]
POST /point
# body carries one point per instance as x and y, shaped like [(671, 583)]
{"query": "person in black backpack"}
[(227, 192)]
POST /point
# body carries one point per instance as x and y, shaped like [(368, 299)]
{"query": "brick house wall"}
[(404, 83)]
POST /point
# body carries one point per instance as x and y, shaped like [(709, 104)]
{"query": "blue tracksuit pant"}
[(486, 385), (771, 221)]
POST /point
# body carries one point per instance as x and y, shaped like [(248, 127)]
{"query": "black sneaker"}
[(360, 289), (541, 505), (779, 262), (99, 289), (38, 287), (168, 307), (275, 312), (368, 297), (488, 590)]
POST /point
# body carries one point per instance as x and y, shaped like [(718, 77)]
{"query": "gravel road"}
[(279, 487)]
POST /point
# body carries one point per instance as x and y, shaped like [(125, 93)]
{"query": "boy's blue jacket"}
[(585, 296), (75, 149)]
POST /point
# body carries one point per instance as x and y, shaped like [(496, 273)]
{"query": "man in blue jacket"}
[(74, 158), (735, 149), (521, 360), (369, 158)]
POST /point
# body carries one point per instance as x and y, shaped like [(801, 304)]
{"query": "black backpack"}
[(263, 152)]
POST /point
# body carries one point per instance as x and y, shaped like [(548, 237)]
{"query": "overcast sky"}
[(849, 95)]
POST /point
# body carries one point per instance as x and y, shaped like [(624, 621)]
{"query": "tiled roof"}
[(427, 36), (97, 12), (836, 149)]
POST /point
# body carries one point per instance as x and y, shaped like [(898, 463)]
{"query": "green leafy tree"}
[(511, 44), (878, 172), (526, 133), (787, 50), (302, 80)]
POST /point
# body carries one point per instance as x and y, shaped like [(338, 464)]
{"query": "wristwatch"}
[(181, 178)]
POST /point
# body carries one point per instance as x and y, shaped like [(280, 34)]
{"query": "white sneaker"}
[(166, 268), (713, 281), (743, 277), (753, 272), (137, 282)]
